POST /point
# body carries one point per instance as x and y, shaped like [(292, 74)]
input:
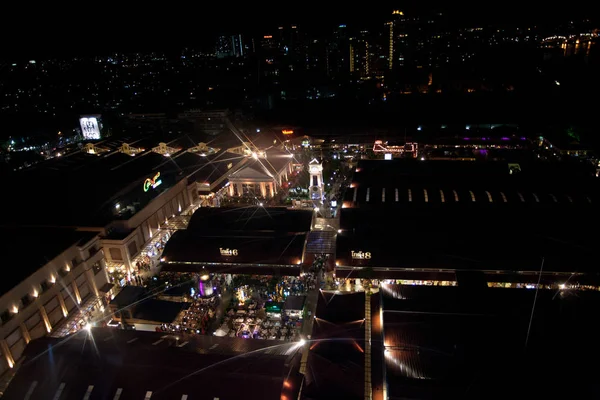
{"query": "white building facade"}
[(49, 296)]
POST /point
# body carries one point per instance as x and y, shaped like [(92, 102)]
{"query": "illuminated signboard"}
[(228, 252), (359, 255), (268, 37), (287, 132), (89, 128), (152, 183)]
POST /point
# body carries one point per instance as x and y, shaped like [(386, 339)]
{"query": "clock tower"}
[(315, 187)]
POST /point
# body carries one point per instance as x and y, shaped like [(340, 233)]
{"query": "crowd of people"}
[(197, 318), (143, 264)]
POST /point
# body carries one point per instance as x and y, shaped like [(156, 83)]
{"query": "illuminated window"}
[(383, 195), (368, 193), (455, 195), (442, 196), (97, 267), (521, 197), (426, 196), (537, 200), (396, 195), (503, 197), (472, 195), (6, 316), (409, 195)]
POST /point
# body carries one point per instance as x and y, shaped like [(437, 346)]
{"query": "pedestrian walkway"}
[(175, 223), (312, 298), (221, 308), (91, 310), (368, 386)]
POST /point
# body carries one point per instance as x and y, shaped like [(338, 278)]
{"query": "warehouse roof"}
[(445, 340), (393, 183), (470, 238)]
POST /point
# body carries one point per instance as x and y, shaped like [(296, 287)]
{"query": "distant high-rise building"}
[(230, 46), (238, 45), (338, 59), (396, 39), (359, 56), (224, 47), (368, 57)]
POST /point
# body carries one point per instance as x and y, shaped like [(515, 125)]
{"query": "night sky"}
[(52, 31)]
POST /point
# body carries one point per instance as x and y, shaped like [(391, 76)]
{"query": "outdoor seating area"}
[(197, 318), (250, 324), (257, 309)]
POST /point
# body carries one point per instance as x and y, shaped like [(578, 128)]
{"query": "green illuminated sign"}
[(152, 183)]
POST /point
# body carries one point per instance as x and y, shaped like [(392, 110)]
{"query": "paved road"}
[(311, 305), (221, 308)]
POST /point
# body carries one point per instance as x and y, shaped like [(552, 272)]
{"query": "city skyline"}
[(145, 30)]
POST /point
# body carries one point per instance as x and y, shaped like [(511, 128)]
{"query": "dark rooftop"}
[(195, 247), (213, 168), (128, 295), (159, 310), (40, 245), (263, 238), (335, 366), (135, 363), (469, 237), (445, 341), (396, 182), (146, 308), (250, 219), (87, 188), (469, 216)]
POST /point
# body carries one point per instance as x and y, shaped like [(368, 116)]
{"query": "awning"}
[(106, 287)]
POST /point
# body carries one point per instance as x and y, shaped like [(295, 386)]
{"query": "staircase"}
[(321, 242)]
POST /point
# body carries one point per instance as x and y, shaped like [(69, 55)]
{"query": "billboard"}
[(89, 128)]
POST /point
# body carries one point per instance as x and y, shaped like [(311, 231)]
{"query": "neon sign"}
[(152, 183), (228, 252), (359, 255), (287, 132)]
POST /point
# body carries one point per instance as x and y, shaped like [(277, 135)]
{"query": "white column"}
[(63, 306), (25, 333), (271, 189), (45, 318), (76, 292), (263, 189), (89, 276), (7, 354)]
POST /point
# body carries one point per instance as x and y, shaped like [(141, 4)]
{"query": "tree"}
[(572, 134)]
